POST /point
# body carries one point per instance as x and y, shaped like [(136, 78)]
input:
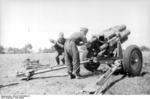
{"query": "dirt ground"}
[(57, 82)]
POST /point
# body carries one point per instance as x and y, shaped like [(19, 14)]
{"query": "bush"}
[(2, 50), (144, 48), (47, 50), (26, 49)]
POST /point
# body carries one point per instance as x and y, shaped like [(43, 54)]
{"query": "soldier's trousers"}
[(57, 57), (72, 59)]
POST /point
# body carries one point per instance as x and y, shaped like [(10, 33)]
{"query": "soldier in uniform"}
[(72, 59), (59, 47)]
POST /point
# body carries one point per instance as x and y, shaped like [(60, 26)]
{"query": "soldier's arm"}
[(84, 41), (59, 44)]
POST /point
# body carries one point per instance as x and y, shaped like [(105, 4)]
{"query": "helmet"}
[(61, 34), (84, 29)]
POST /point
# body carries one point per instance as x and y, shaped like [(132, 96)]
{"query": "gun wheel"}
[(132, 61), (91, 66)]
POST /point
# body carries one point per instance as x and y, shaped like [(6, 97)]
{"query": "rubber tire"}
[(127, 67), (89, 66)]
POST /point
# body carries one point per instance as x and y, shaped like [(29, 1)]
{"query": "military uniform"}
[(72, 59), (60, 49)]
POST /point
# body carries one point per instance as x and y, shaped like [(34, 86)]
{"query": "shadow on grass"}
[(8, 85), (83, 76), (144, 73), (98, 72), (34, 78), (50, 77), (112, 84)]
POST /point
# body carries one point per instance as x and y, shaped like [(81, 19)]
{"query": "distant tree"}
[(49, 50), (144, 48), (17, 51), (40, 50), (52, 49), (46, 50), (1, 50), (27, 48), (10, 50)]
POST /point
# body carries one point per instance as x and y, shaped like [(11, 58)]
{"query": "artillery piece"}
[(105, 48), (101, 49)]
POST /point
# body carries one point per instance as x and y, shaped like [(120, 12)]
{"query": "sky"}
[(36, 21)]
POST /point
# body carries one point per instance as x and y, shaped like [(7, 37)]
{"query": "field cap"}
[(61, 34), (84, 29)]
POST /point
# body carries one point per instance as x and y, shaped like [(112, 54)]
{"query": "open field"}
[(57, 82)]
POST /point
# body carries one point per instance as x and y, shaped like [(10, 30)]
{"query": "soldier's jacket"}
[(77, 37), (72, 59), (59, 48)]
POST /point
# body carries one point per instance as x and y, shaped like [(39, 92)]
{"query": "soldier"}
[(59, 47), (72, 59)]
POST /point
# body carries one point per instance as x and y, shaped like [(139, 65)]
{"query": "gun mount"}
[(106, 48)]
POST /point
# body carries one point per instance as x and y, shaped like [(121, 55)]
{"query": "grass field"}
[(57, 82)]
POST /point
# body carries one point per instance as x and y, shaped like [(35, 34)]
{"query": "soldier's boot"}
[(71, 76), (57, 60), (77, 74), (63, 60)]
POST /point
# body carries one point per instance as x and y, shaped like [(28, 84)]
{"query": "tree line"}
[(26, 49)]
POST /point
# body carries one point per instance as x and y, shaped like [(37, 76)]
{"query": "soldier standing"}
[(59, 47), (72, 59)]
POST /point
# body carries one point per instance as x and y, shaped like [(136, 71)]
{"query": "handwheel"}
[(90, 66)]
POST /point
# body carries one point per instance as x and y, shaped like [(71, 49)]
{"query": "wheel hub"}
[(135, 60)]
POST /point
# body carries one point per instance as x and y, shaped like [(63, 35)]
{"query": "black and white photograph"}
[(74, 47)]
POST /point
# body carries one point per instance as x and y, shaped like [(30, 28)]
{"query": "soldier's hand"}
[(88, 45), (52, 41)]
